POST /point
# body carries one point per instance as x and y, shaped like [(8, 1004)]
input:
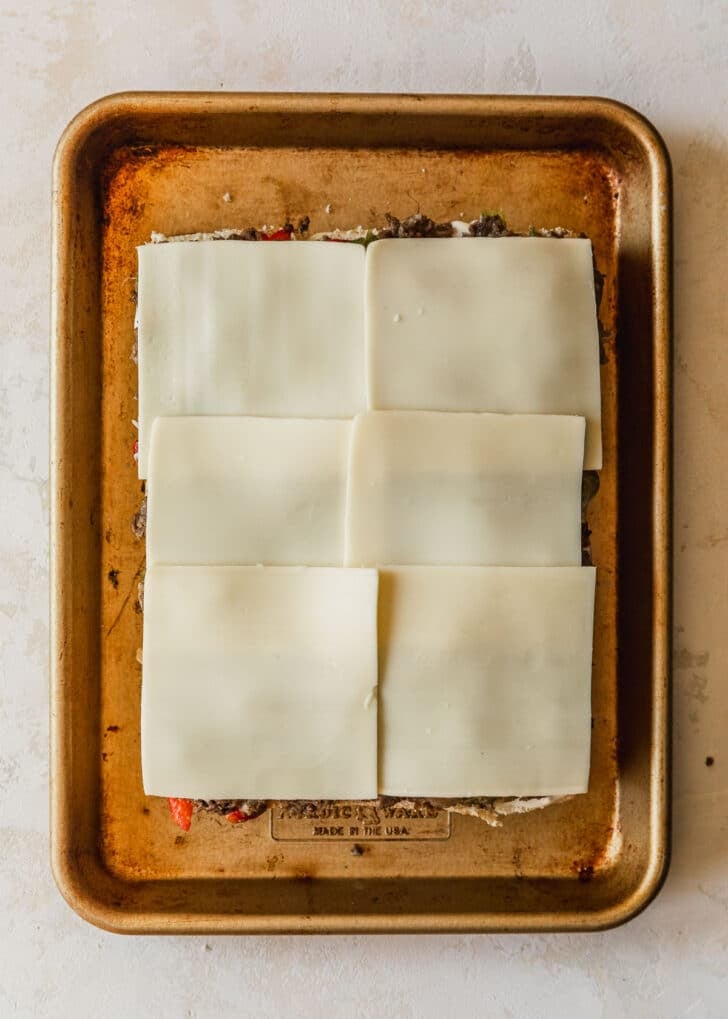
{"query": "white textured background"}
[(669, 59)]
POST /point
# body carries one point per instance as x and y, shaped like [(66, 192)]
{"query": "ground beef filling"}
[(249, 808)]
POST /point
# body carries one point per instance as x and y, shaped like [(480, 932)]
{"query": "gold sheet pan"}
[(134, 163)]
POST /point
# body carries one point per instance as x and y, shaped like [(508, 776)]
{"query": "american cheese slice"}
[(485, 324), (485, 681), (465, 489), (247, 490), (259, 682), (235, 327)]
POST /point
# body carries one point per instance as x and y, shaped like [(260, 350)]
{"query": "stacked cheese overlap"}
[(364, 545)]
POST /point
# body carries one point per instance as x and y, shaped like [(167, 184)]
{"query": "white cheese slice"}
[(485, 681), (485, 324), (247, 490), (257, 682), (235, 327), (465, 489)]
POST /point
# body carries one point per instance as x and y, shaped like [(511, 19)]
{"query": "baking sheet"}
[(136, 163)]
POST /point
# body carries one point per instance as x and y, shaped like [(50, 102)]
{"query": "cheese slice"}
[(247, 490), (485, 681), (258, 682), (235, 327), (485, 324), (465, 489)]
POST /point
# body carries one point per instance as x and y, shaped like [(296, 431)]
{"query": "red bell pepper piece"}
[(278, 235), (181, 811), (235, 816)]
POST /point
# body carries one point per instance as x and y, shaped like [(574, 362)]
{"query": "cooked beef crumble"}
[(251, 234), (414, 226), (490, 226), (250, 808)]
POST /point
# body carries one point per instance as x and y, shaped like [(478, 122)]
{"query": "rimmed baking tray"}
[(139, 162)]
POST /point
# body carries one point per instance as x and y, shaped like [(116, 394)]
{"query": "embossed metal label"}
[(357, 822)]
